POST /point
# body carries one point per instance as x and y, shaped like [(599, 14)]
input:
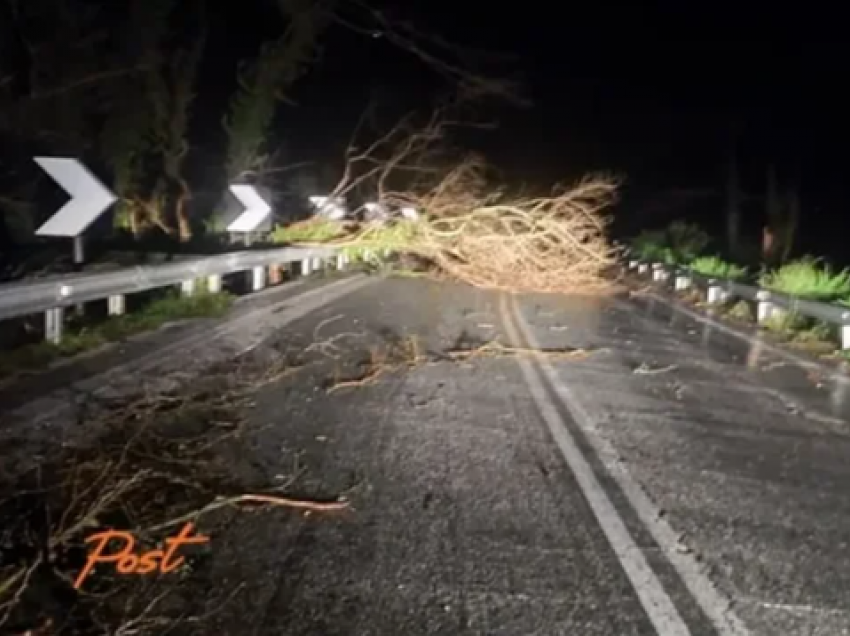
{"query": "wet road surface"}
[(664, 483)]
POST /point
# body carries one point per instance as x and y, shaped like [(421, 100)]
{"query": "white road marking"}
[(655, 600), (803, 609), (658, 605)]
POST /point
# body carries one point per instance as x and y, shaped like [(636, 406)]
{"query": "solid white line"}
[(655, 600)]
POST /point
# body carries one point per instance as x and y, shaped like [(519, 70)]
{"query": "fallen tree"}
[(468, 227)]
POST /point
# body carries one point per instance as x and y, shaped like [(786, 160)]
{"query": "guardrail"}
[(770, 304), (53, 295)]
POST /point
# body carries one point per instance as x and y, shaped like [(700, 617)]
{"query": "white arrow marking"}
[(256, 209), (89, 197)]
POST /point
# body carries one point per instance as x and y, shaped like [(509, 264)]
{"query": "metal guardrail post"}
[(214, 283), (187, 287), (53, 322), (258, 278), (845, 336), (765, 309), (305, 266), (715, 293), (682, 282), (116, 305)]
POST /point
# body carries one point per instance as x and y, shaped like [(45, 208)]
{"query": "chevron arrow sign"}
[(256, 209), (89, 197)]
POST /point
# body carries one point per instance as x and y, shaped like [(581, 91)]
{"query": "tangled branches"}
[(473, 231), (161, 461), (546, 244)]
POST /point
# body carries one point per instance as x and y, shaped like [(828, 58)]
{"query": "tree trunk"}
[(733, 206), (773, 212), (184, 227), (791, 221)]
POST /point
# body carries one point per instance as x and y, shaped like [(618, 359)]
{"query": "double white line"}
[(659, 607)]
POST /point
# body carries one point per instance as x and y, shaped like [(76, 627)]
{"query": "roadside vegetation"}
[(808, 278), (87, 335), (716, 267), (686, 246)]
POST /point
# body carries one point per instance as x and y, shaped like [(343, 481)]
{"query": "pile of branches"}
[(547, 244), (159, 462), (472, 231), (155, 459)]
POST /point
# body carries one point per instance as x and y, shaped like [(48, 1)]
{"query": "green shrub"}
[(679, 244), (808, 278), (716, 267), (687, 241), (649, 245)]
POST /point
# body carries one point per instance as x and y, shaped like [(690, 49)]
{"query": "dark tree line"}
[(116, 84)]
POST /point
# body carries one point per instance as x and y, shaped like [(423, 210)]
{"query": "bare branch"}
[(436, 53), (87, 82)]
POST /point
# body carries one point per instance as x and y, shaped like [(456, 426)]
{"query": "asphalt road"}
[(669, 478)]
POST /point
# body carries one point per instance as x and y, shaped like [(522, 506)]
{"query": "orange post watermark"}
[(126, 562)]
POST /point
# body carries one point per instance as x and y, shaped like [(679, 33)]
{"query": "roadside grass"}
[(741, 311), (86, 337), (715, 267), (803, 332), (309, 231), (820, 338)]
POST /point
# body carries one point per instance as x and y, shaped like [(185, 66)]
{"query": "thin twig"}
[(369, 378), (303, 504)]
